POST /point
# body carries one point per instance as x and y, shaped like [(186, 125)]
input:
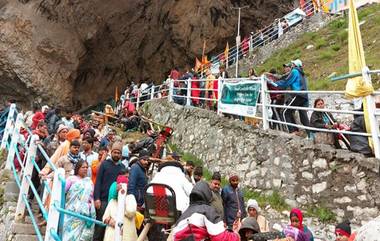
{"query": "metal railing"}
[(262, 37), (54, 213)]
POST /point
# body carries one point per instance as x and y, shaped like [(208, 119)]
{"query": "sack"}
[(324, 138)]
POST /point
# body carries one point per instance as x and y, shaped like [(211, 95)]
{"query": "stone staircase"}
[(11, 229)]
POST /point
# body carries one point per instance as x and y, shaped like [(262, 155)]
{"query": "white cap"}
[(45, 107), (252, 203), (297, 62)]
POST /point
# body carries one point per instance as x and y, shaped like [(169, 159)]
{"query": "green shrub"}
[(337, 24), (320, 43), (335, 47), (323, 214), (326, 55)]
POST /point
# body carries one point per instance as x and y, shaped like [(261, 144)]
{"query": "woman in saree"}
[(79, 199)]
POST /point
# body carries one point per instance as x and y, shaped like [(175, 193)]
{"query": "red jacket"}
[(38, 116)]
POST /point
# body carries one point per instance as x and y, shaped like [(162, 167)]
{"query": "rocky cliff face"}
[(75, 52)]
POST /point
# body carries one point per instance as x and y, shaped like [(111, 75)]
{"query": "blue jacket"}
[(137, 182), (232, 200), (296, 80)]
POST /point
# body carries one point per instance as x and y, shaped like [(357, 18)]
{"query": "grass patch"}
[(330, 52), (323, 214), (275, 200)]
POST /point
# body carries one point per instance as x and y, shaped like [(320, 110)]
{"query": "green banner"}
[(240, 94)]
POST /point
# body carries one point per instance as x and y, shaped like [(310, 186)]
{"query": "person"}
[(106, 175), (222, 72), (102, 155), (253, 210), (79, 190), (252, 73), (173, 170), (296, 80), (296, 218), (42, 132), (198, 174), (360, 144), (233, 201), (55, 140), (69, 161), (138, 178), (108, 139), (323, 120), (53, 120), (210, 89), (189, 167), (249, 226), (216, 201), (88, 154), (343, 231), (276, 98), (67, 120), (370, 231), (201, 221), (62, 150), (39, 116)]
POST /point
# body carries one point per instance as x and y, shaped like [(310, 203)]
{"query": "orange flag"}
[(226, 52), (198, 64), (116, 94)]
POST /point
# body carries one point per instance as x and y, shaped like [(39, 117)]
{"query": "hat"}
[(117, 146), (232, 176), (343, 229), (252, 203), (251, 224), (287, 65), (144, 154), (297, 62), (61, 128), (45, 107), (73, 134)]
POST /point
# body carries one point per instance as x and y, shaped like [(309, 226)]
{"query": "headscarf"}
[(91, 131), (298, 213), (122, 179), (72, 134), (232, 176)]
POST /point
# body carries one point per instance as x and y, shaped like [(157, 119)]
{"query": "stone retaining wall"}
[(305, 174)]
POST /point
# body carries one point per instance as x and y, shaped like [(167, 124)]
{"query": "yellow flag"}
[(358, 86), (226, 52)]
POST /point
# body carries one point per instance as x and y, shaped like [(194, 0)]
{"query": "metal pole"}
[(15, 139), (8, 126), (264, 103), (24, 189), (188, 99), (237, 47), (171, 86)]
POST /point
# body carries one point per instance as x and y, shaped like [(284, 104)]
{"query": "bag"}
[(324, 138)]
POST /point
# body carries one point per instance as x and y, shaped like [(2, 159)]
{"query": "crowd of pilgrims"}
[(97, 162)]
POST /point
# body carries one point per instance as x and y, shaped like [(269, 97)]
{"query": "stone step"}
[(25, 229), (25, 237), (11, 187)]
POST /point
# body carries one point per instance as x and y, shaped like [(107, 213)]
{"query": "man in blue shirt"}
[(296, 80)]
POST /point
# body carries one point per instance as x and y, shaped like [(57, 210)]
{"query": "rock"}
[(342, 200), (320, 163), (310, 46), (307, 175), (54, 50), (319, 187)]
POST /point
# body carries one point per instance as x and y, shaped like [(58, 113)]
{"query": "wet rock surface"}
[(74, 53)]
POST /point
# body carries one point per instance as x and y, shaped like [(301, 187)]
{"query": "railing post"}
[(152, 93), (171, 87), (8, 126), (56, 197), (188, 99), (220, 83), (20, 209), (264, 103), (138, 99), (14, 141), (120, 212)]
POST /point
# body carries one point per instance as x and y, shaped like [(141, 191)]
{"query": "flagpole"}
[(238, 41)]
